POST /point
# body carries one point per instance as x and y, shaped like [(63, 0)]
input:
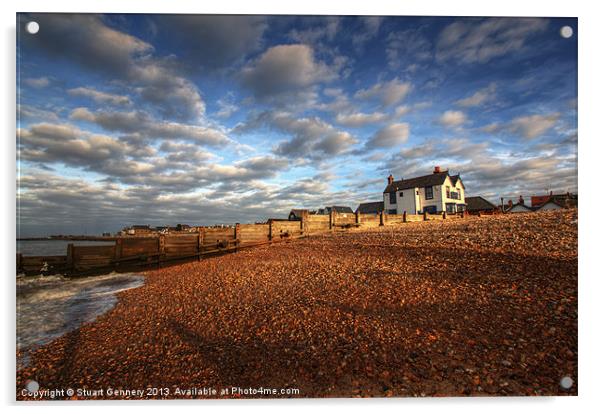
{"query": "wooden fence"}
[(157, 250)]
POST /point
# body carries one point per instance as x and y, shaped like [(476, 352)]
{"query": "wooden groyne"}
[(159, 250)]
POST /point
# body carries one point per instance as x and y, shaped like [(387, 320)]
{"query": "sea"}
[(52, 247), (51, 306)]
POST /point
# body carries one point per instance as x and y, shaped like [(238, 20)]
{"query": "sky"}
[(207, 119)]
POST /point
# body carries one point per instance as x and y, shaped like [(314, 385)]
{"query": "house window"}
[(459, 194), (447, 191), (428, 192), (392, 198), (450, 207)]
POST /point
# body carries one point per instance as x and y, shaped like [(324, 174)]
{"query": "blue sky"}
[(164, 119)]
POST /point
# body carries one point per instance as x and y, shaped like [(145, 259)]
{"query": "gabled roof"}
[(423, 181), (372, 207), (341, 209), (478, 203), (520, 205)]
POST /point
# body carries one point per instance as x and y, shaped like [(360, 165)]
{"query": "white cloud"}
[(101, 97), (388, 93), (285, 71), (533, 126), (479, 97), (390, 136), (452, 118), (473, 40), (41, 82), (359, 119)]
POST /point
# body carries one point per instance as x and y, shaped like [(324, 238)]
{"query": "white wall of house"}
[(414, 199)]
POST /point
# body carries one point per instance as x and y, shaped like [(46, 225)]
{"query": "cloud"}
[(407, 46), (69, 145), (88, 41), (533, 126), (41, 82), (326, 28), (285, 71), (473, 40), (141, 124), (390, 136), (312, 137), (452, 118), (359, 119), (100, 97), (528, 126), (369, 30), (211, 41), (387, 93), (479, 97)]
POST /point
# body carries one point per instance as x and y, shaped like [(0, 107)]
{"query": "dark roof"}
[(418, 182), (372, 207), (297, 212), (141, 226), (478, 203), (340, 209)]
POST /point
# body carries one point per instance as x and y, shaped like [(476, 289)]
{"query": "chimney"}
[(390, 179), (437, 170)]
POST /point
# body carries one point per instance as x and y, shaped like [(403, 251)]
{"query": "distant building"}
[(519, 207), (373, 207), (338, 209), (296, 213), (138, 229), (478, 204), (560, 200), (433, 193)]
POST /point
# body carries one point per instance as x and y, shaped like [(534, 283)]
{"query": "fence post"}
[(270, 230), (304, 223), (405, 219), (199, 243), (70, 262), (236, 236), (462, 214), (118, 250), (424, 216), (161, 248), (358, 218), (444, 215), (382, 218), (331, 220)]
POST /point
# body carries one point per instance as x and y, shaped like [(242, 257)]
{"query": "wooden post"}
[(462, 214), (331, 220), (19, 261), (444, 215), (236, 236), (305, 223), (270, 235), (358, 217), (424, 216), (70, 262), (199, 244), (382, 218), (405, 218), (118, 250), (161, 248)]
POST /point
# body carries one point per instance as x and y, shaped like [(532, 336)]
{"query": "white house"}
[(433, 193)]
